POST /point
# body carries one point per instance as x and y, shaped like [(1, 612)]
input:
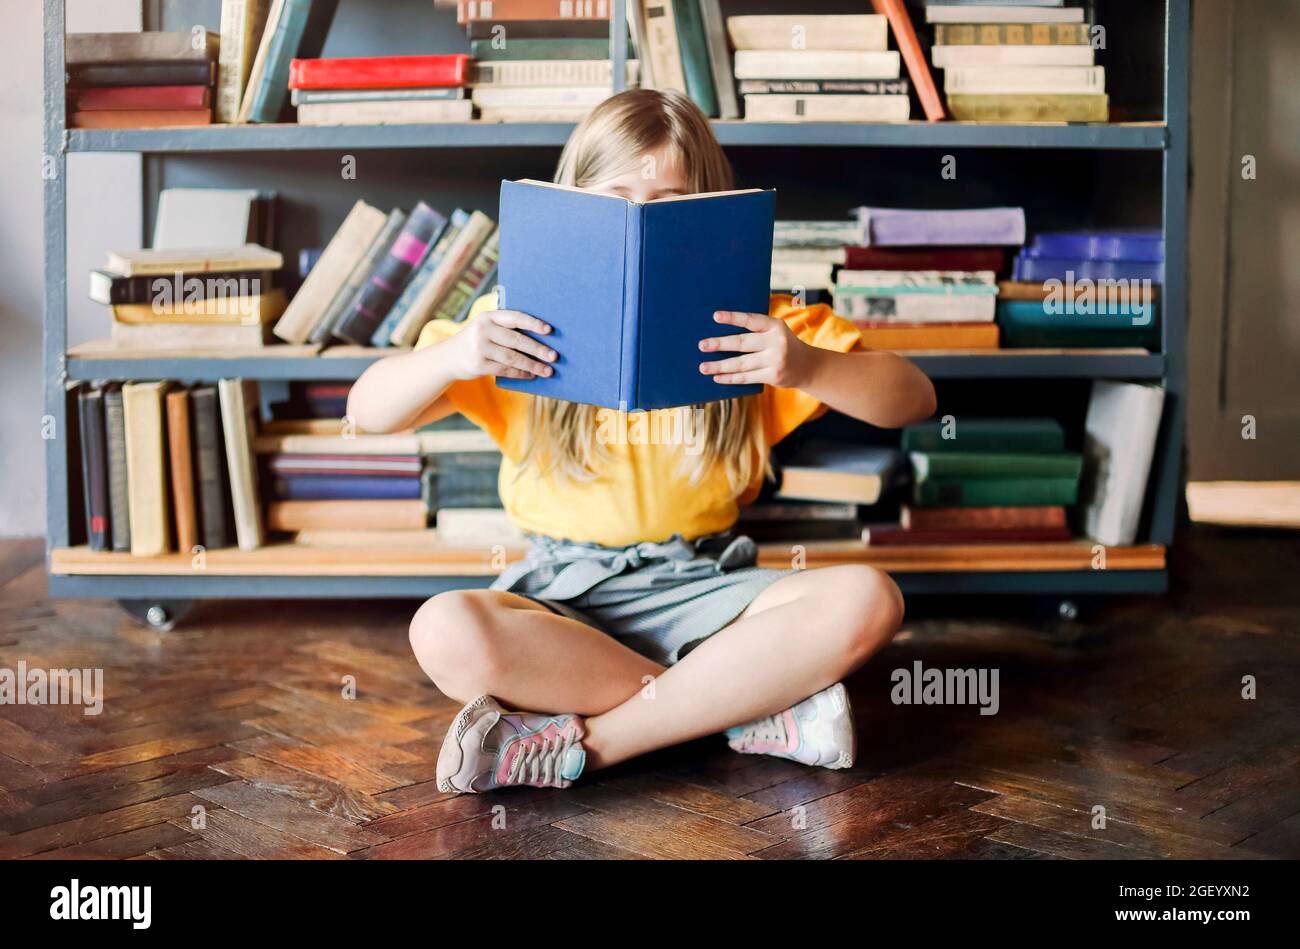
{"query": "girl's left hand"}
[(773, 354)]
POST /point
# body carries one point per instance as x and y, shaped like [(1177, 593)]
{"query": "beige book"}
[(867, 31), (328, 277), (823, 64), (214, 311), (780, 107), (477, 229), (1046, 107), (346, 515), (379, 538), (357, 444), (661, 48), (146, 468), (259, 61), (382, 112), (166, 261), (242, 22), (238, 407), (477, 527), (220, 337)]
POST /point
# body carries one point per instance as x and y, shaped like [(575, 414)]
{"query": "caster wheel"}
[(158, 615)]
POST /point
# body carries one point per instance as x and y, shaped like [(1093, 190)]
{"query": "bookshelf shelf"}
[(245, 154), (1148, 136)]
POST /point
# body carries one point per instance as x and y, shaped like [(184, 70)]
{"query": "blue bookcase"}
[(1143, 162)]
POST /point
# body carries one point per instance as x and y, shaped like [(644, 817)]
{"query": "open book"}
[(630, 289)]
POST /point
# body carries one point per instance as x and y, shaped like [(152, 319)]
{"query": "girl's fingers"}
[(739, 378), (736, 364), (513, 319), (737, 343), (754, 322), (511, 357), (508, 372), (512, 339)]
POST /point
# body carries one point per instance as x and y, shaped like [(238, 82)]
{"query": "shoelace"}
[(540, 760), (771, 728)]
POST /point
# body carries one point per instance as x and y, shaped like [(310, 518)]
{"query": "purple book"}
[(377, 297), (901, 227), (1119, 244)]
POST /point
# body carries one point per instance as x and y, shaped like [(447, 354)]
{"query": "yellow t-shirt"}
[(640, 495)]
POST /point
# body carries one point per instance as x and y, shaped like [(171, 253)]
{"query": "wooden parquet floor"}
[(239, 718)]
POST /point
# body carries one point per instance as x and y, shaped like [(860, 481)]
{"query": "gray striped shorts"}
[(659, 599)]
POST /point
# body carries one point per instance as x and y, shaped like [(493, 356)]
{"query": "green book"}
[(695, 56), (1011, 435), (1027, 323), (964, 465), (517, 49), (995, 492)]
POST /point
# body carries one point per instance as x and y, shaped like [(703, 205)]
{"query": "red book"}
[(380, 72), (167, 98), (140, 118), (913, 56), (891, 535), (469, 10), (925, 258), (982, 518)]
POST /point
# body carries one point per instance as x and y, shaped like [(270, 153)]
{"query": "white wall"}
[(105, 208)]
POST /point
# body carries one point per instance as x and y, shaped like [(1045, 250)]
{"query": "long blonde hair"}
[(562, 436)]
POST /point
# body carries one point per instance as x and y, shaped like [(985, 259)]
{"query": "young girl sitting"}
[(635, 621)]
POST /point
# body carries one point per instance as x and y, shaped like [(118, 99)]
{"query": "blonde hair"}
[(613, 138)]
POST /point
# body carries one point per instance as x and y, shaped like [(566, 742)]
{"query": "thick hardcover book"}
[(94, 466), (976, 55), (376, 297), (393, 112), (863, 31), (143, 74), (1119, 442), (629, 311), (98, 49), (846, 473), (1011, 435), (243, 259), (911, 308), (819, 108), (695, 56), (1025, 80), (298, 30), (913, 56), (1135, 323), (301, 97), (119, 503), (1046, 517), (881, 334), (213, 310), (146, 468), (995, 492), (1034, 107), (238, 398), (459, 255), (380, 72), (926, 258), (371, 515), (1011, 34), (345, 488), (360, 274), (892, 535), (1071, 270), (486, 51), (140, 118), (901, 227), (180, 453), (125, 98), (1001, 13), (989, 464), (540, 29), (394, 466), (719, 59), (419, 277), (455, 305), (213, 489), (1143, 244), (661, 46), (549, 72), (807, 87), (821, 64), (242, 23)]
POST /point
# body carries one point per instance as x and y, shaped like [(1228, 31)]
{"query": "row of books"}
[(1017, 61), (977, 480), (126, 80)]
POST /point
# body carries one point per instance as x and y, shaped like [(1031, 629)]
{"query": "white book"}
[(258, 69), (391, 112), (826, 108), (506, 97), (239, 402), (1118, 444), (660, 46), (551, 72), (917, 307), (920, 280), (1020, 80), (958, 57), (867, 31), (827, 64), (477, 526), (203, 217), (809, 276), (981, 13), (242, 22), (809, 255), (535, 113)]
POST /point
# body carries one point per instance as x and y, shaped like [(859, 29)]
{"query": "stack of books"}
[(259, 41), (464, 467), (552, 76), (1017, 61), (806, 253), (167, 467), (190, 299), (381, 90), (818, 69), (925, 280), (1096, 288), (985, 480), (383, 277), (140, 80)]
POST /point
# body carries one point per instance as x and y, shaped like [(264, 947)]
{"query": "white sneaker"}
[(817, 731)]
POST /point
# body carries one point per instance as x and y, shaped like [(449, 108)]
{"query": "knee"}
[(869, 607), (455, 639)]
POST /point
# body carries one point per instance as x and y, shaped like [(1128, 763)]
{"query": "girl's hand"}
[(491, 345), (773, 354)]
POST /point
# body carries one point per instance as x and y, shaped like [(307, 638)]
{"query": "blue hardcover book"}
[(346, 488), (1121, 244), (1036, 269), (630, 289), (300, 32)]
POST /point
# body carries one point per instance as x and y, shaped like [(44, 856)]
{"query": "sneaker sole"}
[(839, 698), (451, 756)]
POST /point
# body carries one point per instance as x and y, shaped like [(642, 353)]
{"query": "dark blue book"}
[(630, 289), (346, 488), (1119, 244), (1065, 269)]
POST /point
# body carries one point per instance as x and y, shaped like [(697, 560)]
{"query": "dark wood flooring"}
[(238, 716)]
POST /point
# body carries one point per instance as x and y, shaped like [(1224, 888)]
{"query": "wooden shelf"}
[(286, 559)]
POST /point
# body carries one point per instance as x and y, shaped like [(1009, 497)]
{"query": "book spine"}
[(719, 58), (238, 404), (301, 97), (978, 464), (983, 518), (1011, 34), (939, 258), (662, 47), (482, 51), (181, 462), (695, 56), (633, 246), (348, 293), (209, 460), (94, 467), (146, 468), (346, 488), (384, 331), (143, 74), (272, 90), (143, 98), (118, 498), (459, 256), (996, 492), (381, 291), (468, 10), (858, 87), (485, 287), (236, 34), (379, 72), (140, 118), (471, 282)]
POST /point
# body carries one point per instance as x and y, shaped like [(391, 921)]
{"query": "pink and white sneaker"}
[(488, 748), (817, 731)]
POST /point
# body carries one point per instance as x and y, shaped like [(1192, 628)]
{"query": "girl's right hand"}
[(491, 345)]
